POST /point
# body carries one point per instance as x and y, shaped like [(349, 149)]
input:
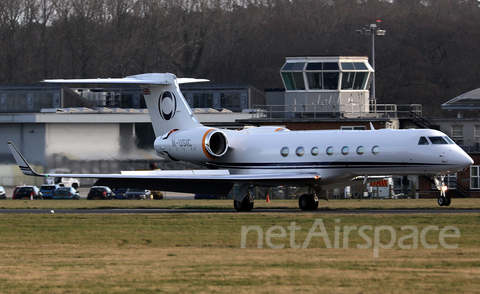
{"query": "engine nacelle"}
[(195, 145)]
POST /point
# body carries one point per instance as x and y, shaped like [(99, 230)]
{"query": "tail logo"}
[(167, 105)]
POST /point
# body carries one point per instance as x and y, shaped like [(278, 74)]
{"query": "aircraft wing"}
[(216, 182)]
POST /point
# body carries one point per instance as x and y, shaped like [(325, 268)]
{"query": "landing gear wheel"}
[(442, 200), (308, 202), (448, 201), (245, 205)]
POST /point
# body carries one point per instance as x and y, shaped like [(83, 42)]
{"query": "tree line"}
[(428, 55)]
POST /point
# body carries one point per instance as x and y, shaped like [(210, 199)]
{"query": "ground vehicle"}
[(48, 191), (156, 194), (63, 181), (100, 192), (28, 192), (66, 193), (119, 192), (141, 194), (15, 192), (3, 195)]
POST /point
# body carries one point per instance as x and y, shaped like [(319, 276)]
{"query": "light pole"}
[(373, 30)]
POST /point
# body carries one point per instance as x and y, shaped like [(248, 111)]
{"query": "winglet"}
[(22, 162), (371, 127)]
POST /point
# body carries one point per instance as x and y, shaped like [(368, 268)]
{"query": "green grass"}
[(201, 253), (460, 203)]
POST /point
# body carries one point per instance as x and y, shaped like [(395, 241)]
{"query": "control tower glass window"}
[(315, 80), (330, 80), (292, 74), (352, 77), (322, 75)]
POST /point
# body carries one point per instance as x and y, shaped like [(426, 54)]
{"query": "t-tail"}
[(166, 105)]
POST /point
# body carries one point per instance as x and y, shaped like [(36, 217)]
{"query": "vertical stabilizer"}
[(166, 105)]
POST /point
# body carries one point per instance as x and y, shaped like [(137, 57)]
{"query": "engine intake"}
[(196, 145), (215, 143)]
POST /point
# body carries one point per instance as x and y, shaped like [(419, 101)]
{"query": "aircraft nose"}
[(465, 161)]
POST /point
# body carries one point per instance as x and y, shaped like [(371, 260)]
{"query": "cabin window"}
[(285, 151), (330, 150), (375, 149), (423, 141), (300, 151), (437, 140), (315, 151), (360, 150), (345, 150)]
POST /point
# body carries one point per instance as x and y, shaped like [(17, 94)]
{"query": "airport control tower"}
[(335, 86)]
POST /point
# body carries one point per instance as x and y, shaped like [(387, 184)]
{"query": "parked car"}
[(66, 193), (141, 194), (28, 192), (100, 192), (48, 190), (3, 195), (119, 192)]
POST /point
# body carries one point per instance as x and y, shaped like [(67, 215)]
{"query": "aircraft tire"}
[(245, 205), (305, 202), (441, 200), (308, 202), (448, 201), (237, 205)]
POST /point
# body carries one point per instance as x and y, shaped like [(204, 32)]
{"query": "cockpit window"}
[(423, 141), (437, 140), (449, 140)]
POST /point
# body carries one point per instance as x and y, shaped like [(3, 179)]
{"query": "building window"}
[(475, 177), (477, 134), (450, 181), (230, 100), (202, 100), (457, 134), (353, 128)]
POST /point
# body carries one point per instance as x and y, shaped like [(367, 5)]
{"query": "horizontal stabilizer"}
[(142, 79)]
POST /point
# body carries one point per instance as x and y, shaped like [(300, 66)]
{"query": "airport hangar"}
[(105, 130)]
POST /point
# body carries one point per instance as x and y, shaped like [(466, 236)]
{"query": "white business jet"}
[(268, 156)]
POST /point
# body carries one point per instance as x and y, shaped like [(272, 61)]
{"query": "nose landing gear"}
[(443, 200)]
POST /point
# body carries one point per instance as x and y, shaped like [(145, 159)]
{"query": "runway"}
[(212, 211)]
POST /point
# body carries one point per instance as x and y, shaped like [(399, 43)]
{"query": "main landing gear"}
[(310, 201), (443, 200), (243, 199), (244, 202)]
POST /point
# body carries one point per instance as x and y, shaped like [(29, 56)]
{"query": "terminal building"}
[(105, 130)]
